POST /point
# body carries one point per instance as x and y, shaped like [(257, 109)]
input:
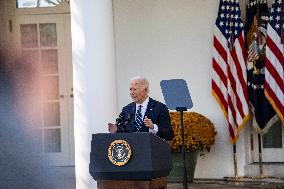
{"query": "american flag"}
[(274, 63), (253, 52), (229, 68)]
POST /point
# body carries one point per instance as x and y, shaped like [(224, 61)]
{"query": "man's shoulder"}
[(128, 106), (156, 102)]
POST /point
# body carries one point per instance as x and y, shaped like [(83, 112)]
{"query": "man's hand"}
[(112, 128), (148, 123)]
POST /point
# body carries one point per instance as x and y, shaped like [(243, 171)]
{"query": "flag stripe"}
[(220, 98), (276, 51), (221, 51), (220, 72), (275, 75), (272, 98)]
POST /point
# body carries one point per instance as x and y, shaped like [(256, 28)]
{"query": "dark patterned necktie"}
[(138, 118)]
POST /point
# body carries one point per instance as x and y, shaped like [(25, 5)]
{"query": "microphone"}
[(122, 122)]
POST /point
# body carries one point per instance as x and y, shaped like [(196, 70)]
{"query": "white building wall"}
[(167, 39)]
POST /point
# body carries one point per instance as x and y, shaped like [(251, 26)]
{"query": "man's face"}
[(138, 92)]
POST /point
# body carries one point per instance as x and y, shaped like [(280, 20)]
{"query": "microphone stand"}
[(181, 110)]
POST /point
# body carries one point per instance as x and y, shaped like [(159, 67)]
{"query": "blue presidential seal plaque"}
[(119, 152)]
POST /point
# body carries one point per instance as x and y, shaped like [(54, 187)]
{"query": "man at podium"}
[(144, 114)]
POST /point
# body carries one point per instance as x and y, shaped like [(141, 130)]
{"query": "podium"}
[(130, 160)]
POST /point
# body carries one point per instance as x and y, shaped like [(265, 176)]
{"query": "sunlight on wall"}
[(94, 79)]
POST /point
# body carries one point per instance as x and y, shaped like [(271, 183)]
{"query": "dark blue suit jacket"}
[(156, 111)]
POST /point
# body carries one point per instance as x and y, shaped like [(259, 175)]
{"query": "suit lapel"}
[(150, 108)]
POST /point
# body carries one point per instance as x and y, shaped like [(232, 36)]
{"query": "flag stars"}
[(252, 3), (278, 9), (272, 10), (277, 18), (277, 26)]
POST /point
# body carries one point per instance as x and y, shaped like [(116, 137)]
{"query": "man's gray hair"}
[(144, 80)]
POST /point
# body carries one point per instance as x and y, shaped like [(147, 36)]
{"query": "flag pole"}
[(181, 110), (235, 162), (258, 135), (260, 156)]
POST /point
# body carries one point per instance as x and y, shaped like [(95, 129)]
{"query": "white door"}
[(45, 42), (272, 144)]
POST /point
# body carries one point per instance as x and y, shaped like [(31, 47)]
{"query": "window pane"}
[(273, 138), (51, 114), (29, 35), (30, 57), (49, 61), (26, 3), (48, 3), (51, 87), (34, 4), (52, 140), (48, 36)]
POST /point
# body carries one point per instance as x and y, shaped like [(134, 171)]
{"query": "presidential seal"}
[(119, 152)]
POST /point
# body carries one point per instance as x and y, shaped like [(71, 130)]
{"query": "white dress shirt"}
[(143, 111)]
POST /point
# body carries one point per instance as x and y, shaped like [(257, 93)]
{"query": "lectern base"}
[(159, 183)]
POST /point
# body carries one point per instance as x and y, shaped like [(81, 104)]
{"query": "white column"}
[(95, 97)]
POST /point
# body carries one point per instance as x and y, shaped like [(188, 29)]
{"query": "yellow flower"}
[(199, 131)]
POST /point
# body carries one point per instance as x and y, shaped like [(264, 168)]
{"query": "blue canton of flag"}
[(229, 20), (276, 17)]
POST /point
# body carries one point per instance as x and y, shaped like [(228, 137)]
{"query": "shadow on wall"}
[(21, 162)]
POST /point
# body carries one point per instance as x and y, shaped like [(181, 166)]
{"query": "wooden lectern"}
[(130, 161)]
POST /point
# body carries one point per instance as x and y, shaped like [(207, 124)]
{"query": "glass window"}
[(36, 3), (51, 114), (49, 60), (48, 35), (52, 140), (29, 35), (273, 138)]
